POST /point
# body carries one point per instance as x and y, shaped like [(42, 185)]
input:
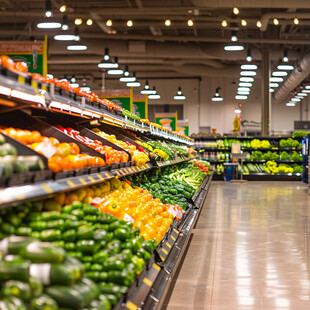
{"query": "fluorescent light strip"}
[(279, 73), (247, 73), (248, 67), (246, 79), (243, 84), (241, 97)]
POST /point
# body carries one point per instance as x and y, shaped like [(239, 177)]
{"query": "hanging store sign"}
[(167, 120), (140, 106), (183, 127), (122, 97)]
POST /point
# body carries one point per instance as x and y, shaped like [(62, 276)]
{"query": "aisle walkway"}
[(250, 250)]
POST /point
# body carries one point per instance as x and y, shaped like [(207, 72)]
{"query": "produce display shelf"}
[(17, 194), (153, 288), (173, 161), (214, 149), (277, 161), (260, 176), (208, 138)]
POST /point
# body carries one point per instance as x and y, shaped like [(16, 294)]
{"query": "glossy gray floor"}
[(249, 251)]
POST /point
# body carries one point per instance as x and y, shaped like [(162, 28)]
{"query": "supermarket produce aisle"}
[(250, 250)]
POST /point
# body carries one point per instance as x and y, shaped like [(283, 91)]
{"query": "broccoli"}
[(284, 155)]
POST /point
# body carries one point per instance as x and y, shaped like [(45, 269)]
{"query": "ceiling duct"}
[(301, 71)]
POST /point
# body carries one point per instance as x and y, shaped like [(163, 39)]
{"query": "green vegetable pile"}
[(110, 250), (289, 143), (300, 134), (161, 146), (130, 114), (255, 143)]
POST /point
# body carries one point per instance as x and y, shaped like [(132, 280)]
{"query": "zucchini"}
[(43, 302), (36, 287), (43, 252), (14, 270), (12, 303), (13, 244)]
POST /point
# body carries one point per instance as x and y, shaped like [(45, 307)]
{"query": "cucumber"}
[(43, 302), (36, 287), (13, 244), (21, 290), (14, 270), (43, 252), (12, 303)]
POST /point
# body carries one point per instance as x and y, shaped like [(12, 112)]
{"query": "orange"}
[(7, 62), (36, 136), (55, 163), (74, 148), (63, 149), (54, 141)]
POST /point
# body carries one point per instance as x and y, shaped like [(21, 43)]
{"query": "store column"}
[(266, 96)]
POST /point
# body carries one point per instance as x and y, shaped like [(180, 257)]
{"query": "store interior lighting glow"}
[(77, 47), (247, 73), (65, 37), (244, 89), (285, 67), (237, 111), (290, 104), (190, 23), (248, 55), (234, 37), (106, 54), (299, 97), (234, 48), (154, 96), (306, 91), (246, 79), (168, 22), (115, 72), (133, 84), (302, 94), (179, 95), (89, 22), (224, 23), (109, 23), (126, 72), (259, 24), (307, 87), (49, 25), (295, 99), (78, 21), (285, 56), (248, 67), (271, 90), (243, 22), (273, 85), (276, 21), (129, 23), (241, 97), (276, 79), (106, 64), (279, 73), (147, 90), (63, 8), (244, 84), (296, 21), (235, 10), (73, 79)]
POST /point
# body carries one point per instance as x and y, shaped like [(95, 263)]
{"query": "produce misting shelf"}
[(213, 149), (150, 293)]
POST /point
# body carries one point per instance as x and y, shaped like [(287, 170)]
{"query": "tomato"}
[(21, 66)]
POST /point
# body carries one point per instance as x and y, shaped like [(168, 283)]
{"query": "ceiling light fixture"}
[(65, 25), (259, 24), (190, 23), (273, 85), (49, 25), (224, 23), (63, 8), (217, 96), (241, 97), (290, 104), (133, 84), (243, 93), (126, 72), (147, 90), (279, 73), (48, 8), (285, 67), (243, 22), (73, 79), (89, 22), (179, 95), (247, 73), (106, 54), (271, 90), (168, 22), (78, 21), (154, 95), (307, 87), (233, 48), (115, 71), (129, 23), (237, 111), (276, 79), (306, 91), (276, 21), (248, 67), (295, 99), (248, 55), (285, 56), (234, 37), (109, 23), (65, 37), (128, 78), (105, 64), (243, 84), (302, 94), (244, 89), (77, 47), (296, 21), (246, 79), (235, 10)]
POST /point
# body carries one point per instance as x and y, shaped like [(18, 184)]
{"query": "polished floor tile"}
[(250, 250)]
